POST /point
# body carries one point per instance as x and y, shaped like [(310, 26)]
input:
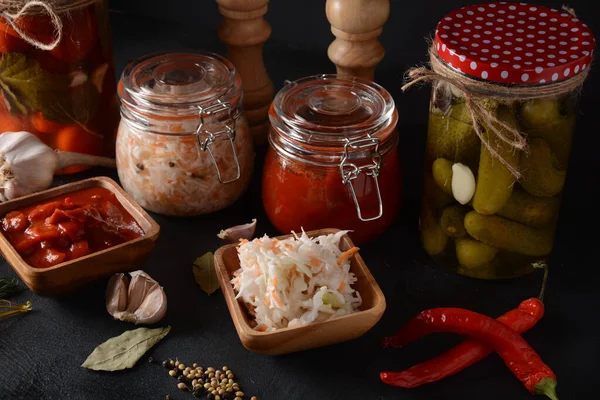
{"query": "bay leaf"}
[(123, 351), (205, 274)]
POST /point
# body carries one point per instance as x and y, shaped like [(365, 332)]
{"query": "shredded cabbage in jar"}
[(296, 281), (170, 175)]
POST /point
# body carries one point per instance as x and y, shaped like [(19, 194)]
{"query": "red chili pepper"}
[(464, 354), (518, 355)]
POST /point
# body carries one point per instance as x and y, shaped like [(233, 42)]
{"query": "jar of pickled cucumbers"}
[(57, 74), (333, 158), (502, 115), (183, 146)]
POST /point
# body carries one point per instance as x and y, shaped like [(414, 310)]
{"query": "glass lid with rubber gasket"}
[(179, 83), (335, 108)]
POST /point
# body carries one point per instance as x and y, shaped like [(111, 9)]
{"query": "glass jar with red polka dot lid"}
[(505, 78)]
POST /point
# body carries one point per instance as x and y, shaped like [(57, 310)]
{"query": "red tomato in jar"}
[(42, 125), (10, 43), (76, 139), (80, 34)]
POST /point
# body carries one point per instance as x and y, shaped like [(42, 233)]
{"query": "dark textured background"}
[(40, 353)]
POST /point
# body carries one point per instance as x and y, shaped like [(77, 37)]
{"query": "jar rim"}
[(331, 109), (178, 85)]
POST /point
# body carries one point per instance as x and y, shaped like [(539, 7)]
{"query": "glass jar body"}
[(168, 173), (67, 95), (298, 195), (507, 224)]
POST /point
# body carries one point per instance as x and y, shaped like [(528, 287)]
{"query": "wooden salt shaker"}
[(356, 25), (245, 31)]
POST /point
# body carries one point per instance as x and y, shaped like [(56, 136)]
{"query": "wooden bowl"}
[(70, 275), (289, 340)]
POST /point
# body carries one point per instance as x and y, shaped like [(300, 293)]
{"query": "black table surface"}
[(41, 352)]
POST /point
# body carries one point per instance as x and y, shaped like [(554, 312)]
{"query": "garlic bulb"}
[(235, 233), (27, 165), (140, 300)]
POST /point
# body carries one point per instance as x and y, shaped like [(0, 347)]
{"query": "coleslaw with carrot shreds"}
[(296, 281)]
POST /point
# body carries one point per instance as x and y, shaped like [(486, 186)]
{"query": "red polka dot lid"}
[(514, 43)]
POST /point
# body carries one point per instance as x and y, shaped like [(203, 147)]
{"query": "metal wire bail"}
[(350, 171), (206, 137)]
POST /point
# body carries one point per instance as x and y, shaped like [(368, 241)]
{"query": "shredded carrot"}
[(342, 286), (275, 281), (289, 246), (261, 328), (267, 301), (315, 262), (237, 274), (243, 241), (237, 282), (276, 298), (346, 255)]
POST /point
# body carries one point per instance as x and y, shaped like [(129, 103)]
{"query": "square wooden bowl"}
[(70, 275), (289, 340)]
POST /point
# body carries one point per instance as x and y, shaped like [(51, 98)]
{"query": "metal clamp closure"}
[(350, 171), (206, 138)]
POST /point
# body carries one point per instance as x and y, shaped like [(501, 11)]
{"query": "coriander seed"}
[(172, 373), (181, 367), (239, 394), (182, 386)]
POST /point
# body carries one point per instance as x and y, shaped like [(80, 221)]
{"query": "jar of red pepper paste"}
[(57, 77), (333, 157)]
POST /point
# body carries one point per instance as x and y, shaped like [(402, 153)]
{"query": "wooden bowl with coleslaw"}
[(334, 330)]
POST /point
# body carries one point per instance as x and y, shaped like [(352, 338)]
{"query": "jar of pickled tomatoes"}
[(57, 74), (183, 146), (333, 157)]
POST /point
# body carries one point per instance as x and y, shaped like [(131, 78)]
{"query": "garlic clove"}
[(235, 233), (140, 300), (78, 78), (463, 183), (98, 76), (141, 283), (153, 308), (116, 293)]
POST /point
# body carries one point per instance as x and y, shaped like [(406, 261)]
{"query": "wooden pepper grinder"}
[(356, 25), (245, 31)]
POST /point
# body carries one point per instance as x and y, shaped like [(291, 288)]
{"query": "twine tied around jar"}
[(12, 10), (33, 7), (478, 93)]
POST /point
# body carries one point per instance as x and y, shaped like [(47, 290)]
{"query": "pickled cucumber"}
[(543, 118), (508, 235), (472, 253), (442, 174), (432, 235), (434, 195), (452, 221), (540, 175), (452, 136), (537, 212), (494, 180)]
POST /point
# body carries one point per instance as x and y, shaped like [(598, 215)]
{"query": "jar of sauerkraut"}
[(183, 145), (506, 81), (333, 159)]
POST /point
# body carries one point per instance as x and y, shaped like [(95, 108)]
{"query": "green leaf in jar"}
[(125, 350), (76, 106), (24, 83), (205, 274)]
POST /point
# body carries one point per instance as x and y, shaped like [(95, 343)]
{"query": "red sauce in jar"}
[(330, 135), (69, 226), (296, 197)]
